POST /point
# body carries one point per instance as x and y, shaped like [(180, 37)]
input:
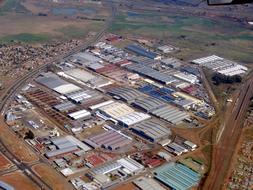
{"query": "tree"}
[(29, 135)]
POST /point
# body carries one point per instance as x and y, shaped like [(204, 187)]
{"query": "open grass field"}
[(15, 145), (41, 29), (51, 177), (19, 181), (4, 162), (20, 20), (195, 35)]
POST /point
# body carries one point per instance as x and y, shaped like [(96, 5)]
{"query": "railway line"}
[(12, 90), (224, 150)]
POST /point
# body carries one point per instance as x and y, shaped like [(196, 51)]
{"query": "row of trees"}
[(219, 78)]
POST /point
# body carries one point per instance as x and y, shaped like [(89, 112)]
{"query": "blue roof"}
[(177, 176), (141, 51)]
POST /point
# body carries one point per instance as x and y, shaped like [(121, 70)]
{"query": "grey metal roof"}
[(60, 151), (170, 114), (148, 103), (149, 72), (126, 94), (65, 106), (152, 129), (50, 80)]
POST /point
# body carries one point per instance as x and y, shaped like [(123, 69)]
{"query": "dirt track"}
[(224, 150)]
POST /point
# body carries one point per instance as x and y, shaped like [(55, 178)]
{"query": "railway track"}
[(13, 89)]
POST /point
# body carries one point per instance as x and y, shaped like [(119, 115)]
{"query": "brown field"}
[(4, 162), (19, 181), (17, 24), (51, 177), (16, 145)]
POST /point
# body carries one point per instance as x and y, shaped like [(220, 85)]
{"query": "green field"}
[(195, 35)]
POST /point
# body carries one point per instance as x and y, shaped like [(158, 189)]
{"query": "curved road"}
[(12, 90)]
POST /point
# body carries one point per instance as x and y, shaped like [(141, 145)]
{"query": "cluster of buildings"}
[(115, 109), (221, 66)]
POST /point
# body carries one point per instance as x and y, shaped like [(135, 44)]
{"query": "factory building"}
[(177, 176), (125, 94), (176, 149), (151, 130), (102, 104), (85, 58), (145, 183), (55, 83), (65, 106), (84, 77), (148, 104), (127, 165), (221, 65), (151, 73), (111, 140), (171, 62), (140, 51), (186, 77), (171, 114), (189, 97), (82, 96), (80, 115), (125, 115), (65, 145)]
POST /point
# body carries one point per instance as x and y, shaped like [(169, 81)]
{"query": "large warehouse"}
[(151, 73), (86, 78), (52, 81), (125, 115), (148, 104), (171, 114), (65, 145), (221, 65), (111, 140), (142, 52), (177, 176), (126, 94), (151, 130)]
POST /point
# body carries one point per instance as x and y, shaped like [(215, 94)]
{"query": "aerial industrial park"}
[(117, 111)]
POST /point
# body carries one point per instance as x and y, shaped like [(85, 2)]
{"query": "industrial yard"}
[(108, 114), (115, 111)]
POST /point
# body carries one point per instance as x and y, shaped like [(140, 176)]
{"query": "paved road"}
[(224, 150), (12, 90)]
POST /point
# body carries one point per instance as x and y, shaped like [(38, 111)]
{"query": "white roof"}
[(101, 104), (79, 114), (67, 88), (130, 164), (133, 118)]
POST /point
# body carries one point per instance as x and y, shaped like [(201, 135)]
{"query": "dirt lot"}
[(4, 162), (19, 181), (16, 145), (128, 186), (51, 177)]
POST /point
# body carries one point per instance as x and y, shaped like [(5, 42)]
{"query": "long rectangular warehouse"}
[(151, 73), (81, 114), (52, 81), (148, 104), (171, 114), (111, 140), (177, 176), (151, 130), (145, 183), (126, 94), (142, 51)]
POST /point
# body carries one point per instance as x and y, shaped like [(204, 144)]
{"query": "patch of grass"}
[(73, 32), (25, 37)]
